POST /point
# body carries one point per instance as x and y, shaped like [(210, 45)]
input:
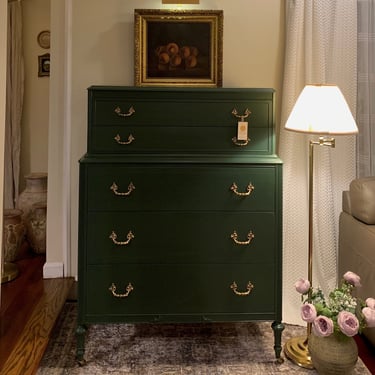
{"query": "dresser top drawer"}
[(179, 107), (138, 120)]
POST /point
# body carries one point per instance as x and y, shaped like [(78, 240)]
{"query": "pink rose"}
[(369, 315), (352, 278), (370, 302), (348, 323), (322, 326), (308, 312), (302, 286)]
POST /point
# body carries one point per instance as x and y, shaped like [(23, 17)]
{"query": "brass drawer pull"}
[(234, 237), (119, 112), (114, 188), (129, 237), (242, 117), (120, 142), (249, 189), (249, 288), (240, 143), (128, 289)]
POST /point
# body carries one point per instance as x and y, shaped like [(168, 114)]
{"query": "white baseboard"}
[(53, 270)]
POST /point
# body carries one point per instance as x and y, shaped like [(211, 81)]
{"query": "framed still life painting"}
[(178, 47)]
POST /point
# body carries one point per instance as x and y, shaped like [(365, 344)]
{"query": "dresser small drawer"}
[(137, 140), (172, 237), (161, 291), (174, 187)]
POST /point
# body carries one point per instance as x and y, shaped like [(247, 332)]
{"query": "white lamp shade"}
[(321, 109)]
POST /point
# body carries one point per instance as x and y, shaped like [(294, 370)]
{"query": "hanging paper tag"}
[(242, 131)]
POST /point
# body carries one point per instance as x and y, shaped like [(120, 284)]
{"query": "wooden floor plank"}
[(18, 299), (29, 349)]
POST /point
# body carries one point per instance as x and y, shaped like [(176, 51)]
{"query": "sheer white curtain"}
[(14, 104), (366, 88), (320, 48)]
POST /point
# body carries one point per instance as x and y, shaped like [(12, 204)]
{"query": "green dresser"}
[(180, 212)]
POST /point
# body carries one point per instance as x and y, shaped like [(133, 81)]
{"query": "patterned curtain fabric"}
[(366, 88), (14, 104), (320, 48)]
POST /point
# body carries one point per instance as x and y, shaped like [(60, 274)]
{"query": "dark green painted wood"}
[(181, 187), (184, 289), (176, 237), (181, 121), (213, 159), (181, 111), (182, 260), (182, 140)]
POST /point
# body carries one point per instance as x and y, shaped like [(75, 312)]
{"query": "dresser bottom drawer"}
[(178, 292)]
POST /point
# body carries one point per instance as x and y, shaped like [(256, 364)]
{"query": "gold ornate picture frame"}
[(178, 47)]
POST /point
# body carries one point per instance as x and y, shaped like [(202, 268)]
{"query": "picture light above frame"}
[(180, 2)]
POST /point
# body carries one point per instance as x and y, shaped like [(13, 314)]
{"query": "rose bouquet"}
[(340, 313)]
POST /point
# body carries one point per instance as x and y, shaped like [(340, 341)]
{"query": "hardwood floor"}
[(28, 311)]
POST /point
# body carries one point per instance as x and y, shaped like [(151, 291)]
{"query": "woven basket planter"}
[(333, 355)]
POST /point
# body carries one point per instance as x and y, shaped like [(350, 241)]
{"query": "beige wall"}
[(34, 139), (99, 50)]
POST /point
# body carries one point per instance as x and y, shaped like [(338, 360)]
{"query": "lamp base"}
[(296, 349), (10, 272)]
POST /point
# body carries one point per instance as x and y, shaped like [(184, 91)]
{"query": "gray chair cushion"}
[(362, 199)]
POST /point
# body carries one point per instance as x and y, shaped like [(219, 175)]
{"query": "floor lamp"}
[(320, 109)]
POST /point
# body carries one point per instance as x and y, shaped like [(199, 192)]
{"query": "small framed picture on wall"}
[(44, 65)]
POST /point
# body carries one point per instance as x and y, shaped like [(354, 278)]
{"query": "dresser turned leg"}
[(81, 362), (80, 335), (278, 328)]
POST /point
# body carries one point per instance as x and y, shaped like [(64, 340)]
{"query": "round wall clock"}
[(44, 39)]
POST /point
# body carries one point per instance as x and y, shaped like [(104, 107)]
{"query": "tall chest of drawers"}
[(179, 213)]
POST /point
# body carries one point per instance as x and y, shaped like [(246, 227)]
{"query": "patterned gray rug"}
[(169, 349)]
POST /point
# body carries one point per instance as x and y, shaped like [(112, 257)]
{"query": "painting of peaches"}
[(171, 57), (179, 49)]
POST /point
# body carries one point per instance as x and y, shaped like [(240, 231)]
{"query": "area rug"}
[(169, 349)]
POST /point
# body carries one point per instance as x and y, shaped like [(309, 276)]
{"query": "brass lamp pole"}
[(320, 109), (296, 349)]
